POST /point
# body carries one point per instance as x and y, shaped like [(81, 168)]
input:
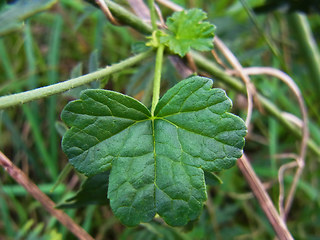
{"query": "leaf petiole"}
[(160, 48), (157, 78)]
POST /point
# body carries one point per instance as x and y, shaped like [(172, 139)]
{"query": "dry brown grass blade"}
[(300, 160), (237, 66), (170, 5), (105, 9), (266, 204), (219, 60), (244, 165), (291, 84), (213, 218), (45, 201), (140, 9), (162, 23), (282, 169)]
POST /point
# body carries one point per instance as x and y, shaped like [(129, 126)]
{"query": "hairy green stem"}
[(20, 98), (157, 78)]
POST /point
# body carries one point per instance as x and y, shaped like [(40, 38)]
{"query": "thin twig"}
[(282, 169), (300, 161), (286, 155), (237, 66), (293, 188), (105, 9), (191, 62), (294, 119), (213, 217), (140, 9), (159, 13), (219, 60), (266, 204), (46, 202), (286, 79), (179, 65), (170, 5)]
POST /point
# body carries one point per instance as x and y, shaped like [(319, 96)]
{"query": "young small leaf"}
[(157, 163), (188, 30)]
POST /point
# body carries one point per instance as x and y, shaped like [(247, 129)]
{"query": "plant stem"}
[(266, 204), (46, 202), (20, 98), (152, 15), (307, 45), (157, 78)]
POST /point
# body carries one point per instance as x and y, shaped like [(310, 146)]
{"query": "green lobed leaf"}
[(188, 30), (157, 163), (11, 18)]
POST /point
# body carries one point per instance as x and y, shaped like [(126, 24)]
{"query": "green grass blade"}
[(18, 143), (5, 216), (50, 165), (18, 190), (88, 220), (31, 59), (308, 47), (98, 35), (62, 176), (32, 81), (53, 77), (266, 38), (5, 60)]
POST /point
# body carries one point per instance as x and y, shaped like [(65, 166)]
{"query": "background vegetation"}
[(74, 38)]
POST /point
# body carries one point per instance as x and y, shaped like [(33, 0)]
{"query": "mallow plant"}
[(155, 162)]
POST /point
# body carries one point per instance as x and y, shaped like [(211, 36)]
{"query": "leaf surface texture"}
[(157, 162), (187, 29)]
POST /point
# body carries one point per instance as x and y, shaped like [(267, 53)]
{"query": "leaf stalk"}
[(157, 78)]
